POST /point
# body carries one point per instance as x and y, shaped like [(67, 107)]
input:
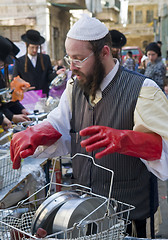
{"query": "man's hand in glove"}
[(147, 146), (24, 144)]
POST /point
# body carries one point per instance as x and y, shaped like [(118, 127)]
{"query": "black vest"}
[(116, 110)]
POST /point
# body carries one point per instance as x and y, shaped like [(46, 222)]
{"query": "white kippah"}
[(88, 29)]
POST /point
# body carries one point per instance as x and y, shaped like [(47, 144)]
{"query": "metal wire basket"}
[(8, 176), (15, 222)]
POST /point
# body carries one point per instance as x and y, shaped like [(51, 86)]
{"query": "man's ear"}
[(105, 52)]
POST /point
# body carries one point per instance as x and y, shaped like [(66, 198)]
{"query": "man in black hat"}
[(118, 41), (34, 67)]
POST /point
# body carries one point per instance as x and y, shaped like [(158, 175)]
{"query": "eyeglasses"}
[(76, 62)]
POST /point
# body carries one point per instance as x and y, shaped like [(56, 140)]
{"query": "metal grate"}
[(17, 221), (8, 176)]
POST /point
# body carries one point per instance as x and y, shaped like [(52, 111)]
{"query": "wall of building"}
[(52, 22), (139, 31), (59, 26), (19, 16), (108, 15)]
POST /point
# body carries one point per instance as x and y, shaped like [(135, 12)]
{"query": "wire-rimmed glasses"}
[(76, 62)]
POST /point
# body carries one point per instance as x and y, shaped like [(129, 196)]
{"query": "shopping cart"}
[(16, 222)]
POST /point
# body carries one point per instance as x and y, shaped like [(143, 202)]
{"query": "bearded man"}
[(118, 109)]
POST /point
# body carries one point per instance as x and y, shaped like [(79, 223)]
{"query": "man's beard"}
[(91, 83)]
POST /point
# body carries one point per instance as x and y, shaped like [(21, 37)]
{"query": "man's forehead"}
[(73, 45), (33, 45)]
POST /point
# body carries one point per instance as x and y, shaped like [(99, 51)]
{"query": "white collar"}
[(32, 57), (110, 75)]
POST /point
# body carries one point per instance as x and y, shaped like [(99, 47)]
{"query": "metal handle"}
[(104, 168), (97, 165), (78, 185)]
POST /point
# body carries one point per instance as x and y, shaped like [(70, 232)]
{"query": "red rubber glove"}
[(147, 146), (24, 144)]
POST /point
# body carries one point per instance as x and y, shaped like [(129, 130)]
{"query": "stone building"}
[(147, 21), (140, 26), (50, 18), (139, 29)]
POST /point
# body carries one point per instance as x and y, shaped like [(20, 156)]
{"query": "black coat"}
[(11, 108), (35, 75)]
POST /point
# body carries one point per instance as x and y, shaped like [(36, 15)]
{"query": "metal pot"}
[(75, 210), (45, 214)]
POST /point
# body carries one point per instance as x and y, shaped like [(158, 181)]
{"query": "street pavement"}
[(163, 201)]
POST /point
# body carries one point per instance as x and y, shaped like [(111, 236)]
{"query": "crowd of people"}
[(152, 64), (34, 67), (107, 111)]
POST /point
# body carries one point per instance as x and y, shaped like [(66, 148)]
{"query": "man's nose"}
[(73, 67)]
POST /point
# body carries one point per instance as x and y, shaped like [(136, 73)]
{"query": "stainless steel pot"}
[(45, 214), (75, 210)]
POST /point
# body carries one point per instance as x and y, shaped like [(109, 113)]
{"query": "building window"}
[(149, 16), (129, 17), (138, 17)]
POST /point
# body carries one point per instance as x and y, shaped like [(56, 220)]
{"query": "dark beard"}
[(91, 83)]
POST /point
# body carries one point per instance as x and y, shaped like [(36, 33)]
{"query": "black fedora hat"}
[(5, 50), (118, 39), (15, 49), (33, 37)]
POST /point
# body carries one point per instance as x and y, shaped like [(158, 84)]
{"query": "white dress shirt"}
[(151, 107), (33, 59)]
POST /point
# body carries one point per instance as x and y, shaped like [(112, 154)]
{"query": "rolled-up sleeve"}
[(151, 115)]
